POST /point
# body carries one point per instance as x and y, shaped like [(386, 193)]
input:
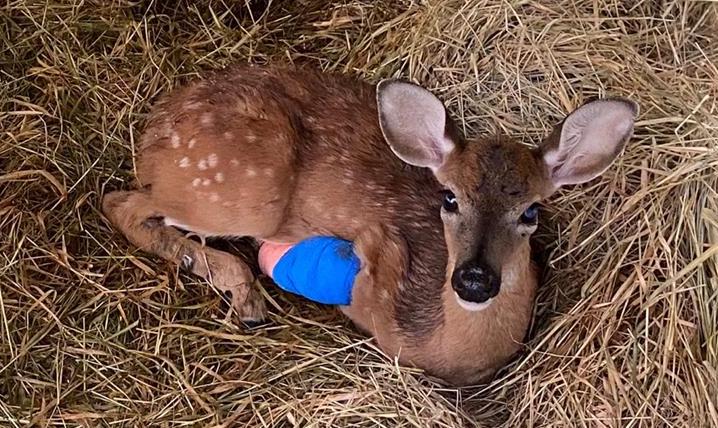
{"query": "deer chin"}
[(473, 306)]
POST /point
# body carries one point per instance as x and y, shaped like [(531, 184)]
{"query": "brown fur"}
[(285, 154), (285, 120)]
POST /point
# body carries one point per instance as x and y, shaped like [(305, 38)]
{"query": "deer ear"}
[(589, 139), (413, 122)]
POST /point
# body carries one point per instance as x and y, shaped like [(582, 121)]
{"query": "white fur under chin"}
[(472, 306)]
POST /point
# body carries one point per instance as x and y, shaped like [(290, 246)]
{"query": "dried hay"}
[(95, 333)]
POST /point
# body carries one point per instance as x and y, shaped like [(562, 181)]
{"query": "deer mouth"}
[(473, 306)]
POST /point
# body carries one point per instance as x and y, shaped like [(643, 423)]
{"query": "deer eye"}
[(449, 203), (530, 216)]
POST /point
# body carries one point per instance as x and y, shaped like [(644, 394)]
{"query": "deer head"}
[(492, 187)]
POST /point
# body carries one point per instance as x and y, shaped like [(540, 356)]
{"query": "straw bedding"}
[(96, 333)]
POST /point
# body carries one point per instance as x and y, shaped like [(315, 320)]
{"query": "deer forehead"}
[(496, 169)]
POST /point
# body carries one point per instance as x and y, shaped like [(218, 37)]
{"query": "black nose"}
[(475, 282)]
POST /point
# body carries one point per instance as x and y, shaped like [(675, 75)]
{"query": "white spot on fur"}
[(219, 177), (347, 181), (250, 138), (314, 203), (206, 119), (168, 221), (191, 143), (196, 182), (184, 162), (175, 141), (202, 164), (206, 182), (342, 214), (214, 197), (234, 162), (251, 172), (212, 160), (228, 135), (509, 277), (269, 172)]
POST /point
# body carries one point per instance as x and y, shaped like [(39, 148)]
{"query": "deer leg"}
[(134, 214)]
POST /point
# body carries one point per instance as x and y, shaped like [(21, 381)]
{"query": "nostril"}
[(457, 280)]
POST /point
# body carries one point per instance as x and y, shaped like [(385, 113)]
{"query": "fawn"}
[(441, 224)]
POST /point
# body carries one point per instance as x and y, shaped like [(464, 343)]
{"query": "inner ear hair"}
[(588, 140)]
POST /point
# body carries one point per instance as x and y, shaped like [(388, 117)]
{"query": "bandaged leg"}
[(321, 268)]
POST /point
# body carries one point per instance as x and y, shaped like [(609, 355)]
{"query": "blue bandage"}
[(321, 269)]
